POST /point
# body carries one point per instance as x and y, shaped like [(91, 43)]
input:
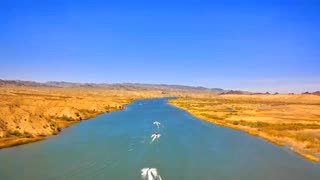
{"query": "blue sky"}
[(261, 45)]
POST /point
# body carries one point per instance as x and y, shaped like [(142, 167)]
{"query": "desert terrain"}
[(30, 114), (286, 120), (33, 111)]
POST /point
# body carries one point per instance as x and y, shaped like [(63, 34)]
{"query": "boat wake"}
[(150, 174)]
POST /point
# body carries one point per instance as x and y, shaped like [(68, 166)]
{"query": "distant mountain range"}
[(314, 93), (117, 86), (132, 87)]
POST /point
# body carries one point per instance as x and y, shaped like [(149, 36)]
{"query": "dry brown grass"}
[(28, 114), (292, 120)]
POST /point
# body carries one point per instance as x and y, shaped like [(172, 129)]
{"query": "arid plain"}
[(286, 120), (30, 114)]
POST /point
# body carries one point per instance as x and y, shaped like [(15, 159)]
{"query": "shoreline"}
[(305, 155), (16, 141)]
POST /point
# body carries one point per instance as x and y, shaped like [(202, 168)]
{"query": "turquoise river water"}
[(117, 146)]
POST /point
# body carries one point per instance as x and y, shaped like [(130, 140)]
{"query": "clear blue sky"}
[(262, 45)]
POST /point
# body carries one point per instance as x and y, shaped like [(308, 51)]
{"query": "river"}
[(117, 146)]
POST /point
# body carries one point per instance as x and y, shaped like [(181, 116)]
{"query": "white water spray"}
[(150, 174), (155, 136), (157, 124)]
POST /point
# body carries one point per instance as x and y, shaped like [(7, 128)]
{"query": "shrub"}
[(42, 135), (28, 135), (211, 116), (235, 123), (262, 124), (15, 133), (66, 118), (77, 114)]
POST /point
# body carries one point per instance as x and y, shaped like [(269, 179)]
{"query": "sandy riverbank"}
[(29, 114), (285, 120)]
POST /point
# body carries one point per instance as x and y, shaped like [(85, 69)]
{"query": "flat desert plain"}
[(286, 120)]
